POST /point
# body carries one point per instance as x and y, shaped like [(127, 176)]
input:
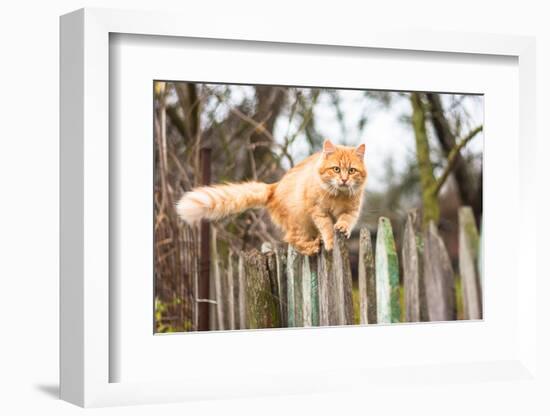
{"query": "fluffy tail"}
[(218, 201)]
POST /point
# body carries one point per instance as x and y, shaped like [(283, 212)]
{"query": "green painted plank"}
[(387, 274)]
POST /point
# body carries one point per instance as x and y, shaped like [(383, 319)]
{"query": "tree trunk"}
[(425, 167), (464, 179)]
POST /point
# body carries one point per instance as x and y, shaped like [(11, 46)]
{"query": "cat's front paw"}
[(343, 227), (328, 243)]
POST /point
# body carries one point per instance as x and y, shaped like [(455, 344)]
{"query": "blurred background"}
[(424, 152)]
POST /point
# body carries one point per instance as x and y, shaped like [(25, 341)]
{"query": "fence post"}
[(306, 291), (367, 279), (231, 290), (270, 255), (242, 293), (328, 301), (387, 274), (310, 291), (438, 277), (293, 269), (218, 289), (204, 278), (314, 282), (280, 258), (261, 306), (342, 271), (413, 281), (468, 263)]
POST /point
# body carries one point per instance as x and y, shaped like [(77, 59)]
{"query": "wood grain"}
[(329, 300), (242, 293), (218, 290), (293, 269), (342, 272), (231, 296), (438, 277), (387, 274), (280, 258), (413, 280), (468, 241), (367, 279), (261, 306)]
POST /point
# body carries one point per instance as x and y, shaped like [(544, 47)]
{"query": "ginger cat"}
[(321, 194)]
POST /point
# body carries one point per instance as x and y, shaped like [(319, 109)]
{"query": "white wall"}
[(29, 56)]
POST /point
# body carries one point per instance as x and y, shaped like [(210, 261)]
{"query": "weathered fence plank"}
[(261, 305), (218, 289), (204, 290), (314, 282), (310, 291), (280, 258), (367, 279), (438, 278), (387, 274), (271, 259), (413, 281), (306, 291), (293, 269), (224, 277), (242, 293), (468, 264), (328, 293), (342, 270), (231, 292)]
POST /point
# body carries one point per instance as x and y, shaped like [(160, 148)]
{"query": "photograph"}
[(297, 206)]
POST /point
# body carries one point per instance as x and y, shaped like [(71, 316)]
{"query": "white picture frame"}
[(86, 356)]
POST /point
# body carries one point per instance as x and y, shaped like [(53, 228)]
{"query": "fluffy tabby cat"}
[(321, 194)]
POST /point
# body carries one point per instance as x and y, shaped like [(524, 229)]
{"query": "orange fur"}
[(317, 196)]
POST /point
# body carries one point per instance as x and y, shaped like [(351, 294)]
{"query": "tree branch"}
[(453, 156), (177, 121)]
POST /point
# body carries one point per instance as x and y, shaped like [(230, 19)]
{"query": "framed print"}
[(313, 215)]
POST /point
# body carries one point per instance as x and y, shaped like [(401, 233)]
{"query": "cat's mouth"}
[(347, 188)]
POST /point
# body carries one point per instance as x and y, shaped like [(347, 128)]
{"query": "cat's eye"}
[(336, 169), (352, 170)]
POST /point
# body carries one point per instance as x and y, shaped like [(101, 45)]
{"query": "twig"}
[(453, 155)]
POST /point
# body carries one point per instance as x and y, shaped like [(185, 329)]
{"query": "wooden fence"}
[(278, 287)]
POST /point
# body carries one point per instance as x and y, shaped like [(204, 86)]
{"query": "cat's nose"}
[(344, 180)]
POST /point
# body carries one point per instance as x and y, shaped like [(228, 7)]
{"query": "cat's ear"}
[(328, 147), (360, 150)]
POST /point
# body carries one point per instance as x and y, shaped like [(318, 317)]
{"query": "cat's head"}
[(342, 168)]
